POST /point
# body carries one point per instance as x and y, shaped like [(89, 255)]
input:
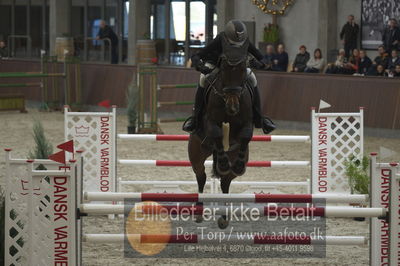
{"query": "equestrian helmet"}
[(236, 32)]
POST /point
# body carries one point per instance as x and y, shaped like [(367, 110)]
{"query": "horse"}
[(228, 100)]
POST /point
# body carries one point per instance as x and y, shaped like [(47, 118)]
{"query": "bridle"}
[(226, 93)]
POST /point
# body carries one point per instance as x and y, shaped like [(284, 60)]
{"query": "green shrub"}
[(357, 172), (43, 147), (271, 33)]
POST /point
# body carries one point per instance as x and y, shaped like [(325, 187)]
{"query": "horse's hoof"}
[(239, 168), (222, 223), (199, 218), (223, 166), (224, 169)]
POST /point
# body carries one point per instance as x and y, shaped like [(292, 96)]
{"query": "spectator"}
[(380, 71), (269, 57), (391, 36), (281, 60), (107, 32), (364, 64), (316, 63), (3, 49), (349, 35), (396, 72), (394, 60), (352, 66), (381, 59), (338, 66), (300, 62)]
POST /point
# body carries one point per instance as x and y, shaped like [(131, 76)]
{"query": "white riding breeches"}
[(250, 76)]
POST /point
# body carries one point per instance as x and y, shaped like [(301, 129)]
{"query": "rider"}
[(205, 61)]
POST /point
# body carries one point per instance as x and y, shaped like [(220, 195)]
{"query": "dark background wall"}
[(285, 96)]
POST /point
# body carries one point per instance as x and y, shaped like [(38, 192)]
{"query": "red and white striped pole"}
[(266, 138), (198, 197), (174, 163)]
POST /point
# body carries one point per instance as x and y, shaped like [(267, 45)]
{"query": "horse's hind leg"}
[(223, 221)]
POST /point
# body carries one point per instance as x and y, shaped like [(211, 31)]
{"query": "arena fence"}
[(44, 209)]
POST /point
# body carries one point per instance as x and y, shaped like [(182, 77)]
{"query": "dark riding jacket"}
[(214, 50)]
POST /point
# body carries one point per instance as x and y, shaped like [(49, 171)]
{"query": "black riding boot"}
[(259, 120), (192, 123)]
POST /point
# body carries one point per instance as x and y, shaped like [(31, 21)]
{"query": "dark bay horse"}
[(228, 101)]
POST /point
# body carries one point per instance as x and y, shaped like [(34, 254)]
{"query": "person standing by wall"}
[(107, 32), (3, 50), (391, 36), (349, 35)]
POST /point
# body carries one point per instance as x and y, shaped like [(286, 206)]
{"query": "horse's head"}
[(233, 76)]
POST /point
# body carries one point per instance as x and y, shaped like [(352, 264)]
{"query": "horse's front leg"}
[(221, 159), (239, 166)]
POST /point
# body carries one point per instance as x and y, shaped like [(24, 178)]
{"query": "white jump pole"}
[(198, 197), (172, 163), (271, 211), (119, 238), (234, 183)]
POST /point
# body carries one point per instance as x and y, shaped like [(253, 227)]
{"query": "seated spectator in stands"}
[(300, 62), (380, 71), (3, 49), (269, 57), (394, 60), (281, 60), (396, 73), (352, 66), (381, 59), (316, 63), (338, 66), (364, 64)]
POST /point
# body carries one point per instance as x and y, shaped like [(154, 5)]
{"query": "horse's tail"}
[(214, 166)]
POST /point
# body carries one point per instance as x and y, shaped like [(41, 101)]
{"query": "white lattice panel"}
[(31, 219), (382, 174), (335, 137), (94, 134), (17, 215)]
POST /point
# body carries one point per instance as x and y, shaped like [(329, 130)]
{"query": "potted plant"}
[(132, 96), (359, 179), (43, 147), (271, 36)]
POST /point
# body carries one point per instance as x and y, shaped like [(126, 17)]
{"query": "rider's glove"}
[(204, 69), (256, 64), (195, 60)]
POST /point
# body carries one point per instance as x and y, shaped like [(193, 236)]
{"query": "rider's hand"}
[(196, 61), (203, 69), (256, 64)]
